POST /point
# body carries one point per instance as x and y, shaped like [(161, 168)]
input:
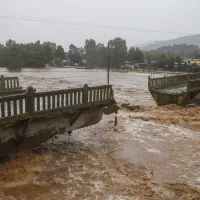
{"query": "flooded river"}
[(155, 154)]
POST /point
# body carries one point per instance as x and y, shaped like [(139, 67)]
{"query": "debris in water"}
[(130, 107)]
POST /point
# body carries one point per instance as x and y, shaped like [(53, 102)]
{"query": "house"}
[(128, 65)]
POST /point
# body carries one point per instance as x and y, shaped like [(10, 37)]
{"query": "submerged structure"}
[(177, 89), (29, 119)]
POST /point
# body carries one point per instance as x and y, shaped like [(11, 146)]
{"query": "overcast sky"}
[(164, 15)]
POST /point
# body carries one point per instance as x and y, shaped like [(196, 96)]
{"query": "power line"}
[(55, 21)]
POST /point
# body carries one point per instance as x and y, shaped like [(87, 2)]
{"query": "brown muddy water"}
[(155, 154)]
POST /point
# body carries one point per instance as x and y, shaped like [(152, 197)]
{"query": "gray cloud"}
[(165, 15)]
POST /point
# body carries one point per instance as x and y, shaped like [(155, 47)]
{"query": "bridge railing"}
[(9, 83), (31, 103), (171, 80), (193, 85), (14, 105)]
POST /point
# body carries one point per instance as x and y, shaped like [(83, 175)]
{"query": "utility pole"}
[(173, 64), (108, 64)]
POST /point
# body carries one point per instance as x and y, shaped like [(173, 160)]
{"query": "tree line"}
[(172, 55), (18, 55), (180, 50), (15, 55), (96, 54)]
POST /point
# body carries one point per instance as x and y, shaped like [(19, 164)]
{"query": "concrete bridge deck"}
[(178, 89), (174, 89), (31, 118)]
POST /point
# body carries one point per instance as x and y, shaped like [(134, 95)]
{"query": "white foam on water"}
[(153, 131), (142, 130), (198, 179), (60, 180), (176, 131), (153, 150), (112, 197), (98, 185)]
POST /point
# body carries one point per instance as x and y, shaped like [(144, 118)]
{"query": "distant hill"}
[(188, 40), (182, 50)]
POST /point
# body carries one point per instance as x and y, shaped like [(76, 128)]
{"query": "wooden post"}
[(108, 76), (85, 93), (30, 100), (116, 123)]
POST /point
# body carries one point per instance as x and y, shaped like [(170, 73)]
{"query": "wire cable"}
[(55, 21)]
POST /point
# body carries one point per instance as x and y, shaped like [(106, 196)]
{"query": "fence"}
[(31, 103), (164, 81), (9, 83)]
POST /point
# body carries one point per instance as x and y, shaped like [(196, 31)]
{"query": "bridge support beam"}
[(29, 134)]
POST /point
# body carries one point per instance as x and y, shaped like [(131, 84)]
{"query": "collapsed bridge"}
[(30, 118), (177, 89)]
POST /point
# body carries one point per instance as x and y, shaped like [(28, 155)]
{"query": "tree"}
[(75, 54), (2, 59), (17, 55), (35, 55), (91, 52), (101, 55), (60, 53), (139, 56), (49, 51), (118, 51), (1, 47), (135, 55), (178, 59), (197, 54), (10, 43), (131, 54), (13, 56), (81, 53), (58, 62)]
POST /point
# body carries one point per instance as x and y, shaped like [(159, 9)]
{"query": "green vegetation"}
[(171, 57), (75, 54), (135, 55), (118, 51), (96, 54), (19, 55), (181, 50), (91, 52)]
